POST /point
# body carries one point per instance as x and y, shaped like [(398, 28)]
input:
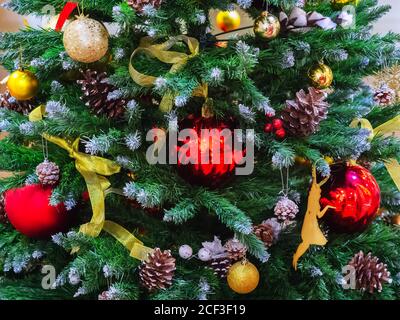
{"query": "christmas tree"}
[(108, 200)]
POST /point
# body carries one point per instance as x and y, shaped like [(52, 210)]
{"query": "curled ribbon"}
[(389, 127), (162, 52)]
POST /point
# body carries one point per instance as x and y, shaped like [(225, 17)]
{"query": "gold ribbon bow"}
[(162, 52), (389, 127)]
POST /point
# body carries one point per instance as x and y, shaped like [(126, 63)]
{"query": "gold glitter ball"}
[(86, 40)]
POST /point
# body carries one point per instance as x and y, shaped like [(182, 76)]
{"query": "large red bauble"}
[(211, 173), (29, 211), (355, 194)]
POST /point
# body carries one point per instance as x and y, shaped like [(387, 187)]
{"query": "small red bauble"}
[(268, 128), (208, 173), (277, 124), (281, 133), (355, 194), (29, 211)]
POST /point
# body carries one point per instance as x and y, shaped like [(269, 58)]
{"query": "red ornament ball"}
[(268, 128), (281, 133), (355, 194), (277, 124), (214, 158), (29, 211)]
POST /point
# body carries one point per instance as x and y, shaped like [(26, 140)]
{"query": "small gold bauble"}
[(228, 20), (339, 4), (243, 277), (321, 76), (23, 85), (396, 220), (267, 26), (86, 40)]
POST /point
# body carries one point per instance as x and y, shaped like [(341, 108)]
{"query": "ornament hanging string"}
[(387, 128), (162, 52)]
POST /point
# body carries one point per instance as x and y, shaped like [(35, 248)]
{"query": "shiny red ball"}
[(355, 194), (268, 128), (277, 124), (29, 211), (281, 133), (214, 172)]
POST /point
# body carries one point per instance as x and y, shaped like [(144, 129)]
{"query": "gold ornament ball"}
[(86, 40), (23, 85), (321, 76), (243, 277), (228, 20), (267, 26), (339, 4)]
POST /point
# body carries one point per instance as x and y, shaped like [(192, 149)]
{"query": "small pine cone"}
[(100, 96), (384, 96), (48, 173), (303, 115), (235, 249), (370, 273), (138, 5), (3, 214), (158, 270), (9, 102), (286, 210), (265, 233), (221, 266)]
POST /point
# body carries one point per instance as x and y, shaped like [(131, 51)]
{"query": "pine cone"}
[(286, 210), (158, 270), (235, 249), (303, 115), (48, 173), (138, 5), (265, 233), (3, 214), (9, 102), (221, 266), (384, 96), (370, 273), (103, 98)]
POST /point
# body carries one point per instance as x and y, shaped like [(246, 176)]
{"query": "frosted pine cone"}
[(235, 249), (303, 115), (221, 266), (268, 231), (158, 270), (48, 173), (10, 103), (384, 96), (138, 5), (370, 273), (286, 210)]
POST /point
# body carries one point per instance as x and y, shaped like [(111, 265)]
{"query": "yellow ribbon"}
[(162, 52), (389, 127), (128, 240)]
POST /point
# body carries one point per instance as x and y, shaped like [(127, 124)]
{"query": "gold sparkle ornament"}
[(86, 40), (228, 20), (321, 76), (243, 277), (267, 26), (23, 85)]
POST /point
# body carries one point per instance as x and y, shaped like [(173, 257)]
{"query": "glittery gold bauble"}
[(23, 85), (339, 4), (321, 76), (228, 20), (396, 220), (86, 40), (243, 277), (267, 26)]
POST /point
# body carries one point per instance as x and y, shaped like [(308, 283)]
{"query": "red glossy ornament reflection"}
[(355, 194), (211, 173)]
